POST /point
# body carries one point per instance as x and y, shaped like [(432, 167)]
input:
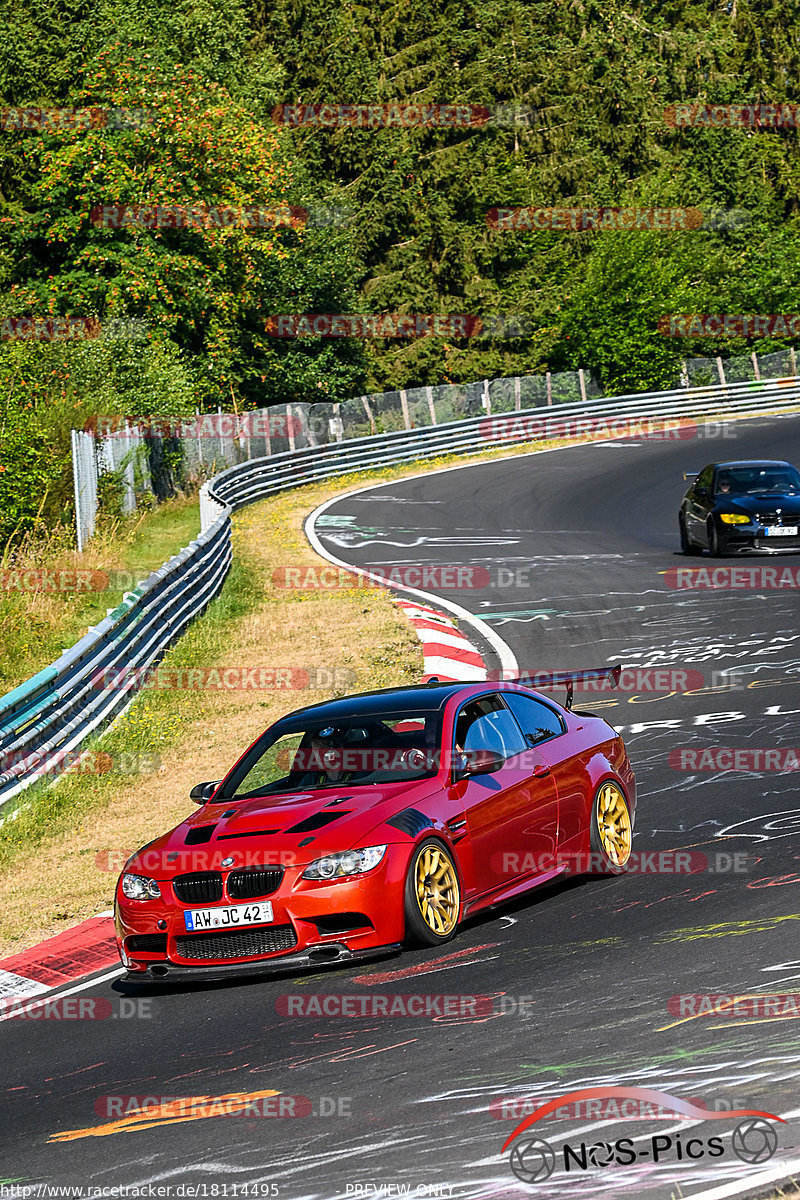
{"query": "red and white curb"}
[(448, 654), (61, 960)]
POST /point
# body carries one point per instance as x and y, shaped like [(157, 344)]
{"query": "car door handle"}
[(540, 770)]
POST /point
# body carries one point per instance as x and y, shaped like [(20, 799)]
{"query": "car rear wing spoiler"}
[(550, 679), (687, 475)]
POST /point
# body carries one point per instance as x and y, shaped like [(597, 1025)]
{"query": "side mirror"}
[(201, 792), (480, 762)]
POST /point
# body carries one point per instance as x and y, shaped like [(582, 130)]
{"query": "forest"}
[(174, 178)]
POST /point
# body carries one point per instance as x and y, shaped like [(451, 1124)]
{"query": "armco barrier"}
[(58, 708), (52, 713)]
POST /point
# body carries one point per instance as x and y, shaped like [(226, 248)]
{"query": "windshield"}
[(360, 749), (754, 481)]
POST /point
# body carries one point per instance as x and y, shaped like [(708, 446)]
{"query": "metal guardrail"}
[(48, 716), (262, 477), (55, 711)]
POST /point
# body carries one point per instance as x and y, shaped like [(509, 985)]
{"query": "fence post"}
[(368, 411), (754, 360), (793, 360), (268, 431), (431, 408), (290, 426), (722, 378), (487, 399), (404, 406), (549, 389), (582, 382), (517, 393)]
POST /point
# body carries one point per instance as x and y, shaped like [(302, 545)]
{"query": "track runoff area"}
[(679, 979)]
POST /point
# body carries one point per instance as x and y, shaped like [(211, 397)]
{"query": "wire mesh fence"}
[(153, 457)]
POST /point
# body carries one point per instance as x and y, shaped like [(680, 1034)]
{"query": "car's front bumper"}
[(741, 539), (326, 955), (313, 922)]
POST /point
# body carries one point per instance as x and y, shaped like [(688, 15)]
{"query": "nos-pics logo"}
[(533, 1159)]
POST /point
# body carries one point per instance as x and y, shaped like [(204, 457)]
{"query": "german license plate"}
[(228, 917), (781, 530)]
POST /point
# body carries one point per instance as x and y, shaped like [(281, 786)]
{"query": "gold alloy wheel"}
[(436, 887), (614, 824)]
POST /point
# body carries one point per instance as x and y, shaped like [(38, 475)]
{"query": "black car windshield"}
[(359, 749), (754, 481)]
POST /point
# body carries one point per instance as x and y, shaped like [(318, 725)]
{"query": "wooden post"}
[(582, 382), (431, 406), (517, 393), (368, 411), (793, 360), (549, 389), (754, 360), (290, 426), (404, 406), (722, 378), (487, 399)]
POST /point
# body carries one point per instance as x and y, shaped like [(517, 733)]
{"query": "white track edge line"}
[(37, 1001)]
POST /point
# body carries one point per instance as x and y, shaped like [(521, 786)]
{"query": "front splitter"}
[(329, 955)]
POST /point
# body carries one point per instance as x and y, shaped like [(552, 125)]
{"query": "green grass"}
[(35, 627)]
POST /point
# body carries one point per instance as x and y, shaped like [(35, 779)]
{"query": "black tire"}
[(420, 928), (717, 546), (687, 545), (602, 862)]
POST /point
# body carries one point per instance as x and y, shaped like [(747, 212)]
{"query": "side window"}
[(486, 724), (705, 478), (536, 720)]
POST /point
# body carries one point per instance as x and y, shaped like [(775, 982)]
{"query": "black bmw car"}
[(751, 506)]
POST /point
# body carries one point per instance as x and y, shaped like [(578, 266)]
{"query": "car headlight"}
[(350, 862), (734, 518), (139, 887)]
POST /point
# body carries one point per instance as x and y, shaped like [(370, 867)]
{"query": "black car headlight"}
[(139, 887), (349, 862)]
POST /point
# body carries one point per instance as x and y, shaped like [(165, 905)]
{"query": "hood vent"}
[(224, 837), (318, 821), (199, 834)]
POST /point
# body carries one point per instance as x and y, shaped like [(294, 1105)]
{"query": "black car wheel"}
[(432, 895), (717, 546), (687, 545)]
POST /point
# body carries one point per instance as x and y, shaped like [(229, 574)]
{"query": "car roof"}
[(416, 697), (754, 462)]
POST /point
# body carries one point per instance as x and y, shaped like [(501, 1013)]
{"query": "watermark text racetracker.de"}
[(277, 1106), (761, 1005), (722, 325), (640, 862), (516, 427), (75, 1008), (755, 575), (735, 758), (224, 678)]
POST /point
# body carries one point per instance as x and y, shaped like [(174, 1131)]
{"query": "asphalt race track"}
[(577, 543)]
